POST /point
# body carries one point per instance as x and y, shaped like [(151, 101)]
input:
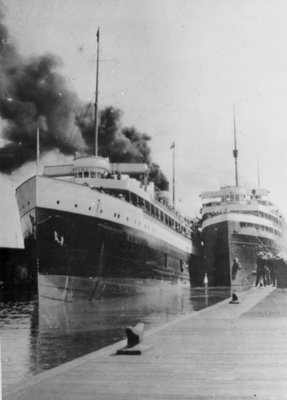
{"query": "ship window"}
[(119, 215), (58, 202), (80, 174), (89, 208), (93, 174), (76, 205), (115, 214), (86, 174)]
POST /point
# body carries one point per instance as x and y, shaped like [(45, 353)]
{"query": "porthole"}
[(115, 214), (58, 202), (76, 205), (90, 208)]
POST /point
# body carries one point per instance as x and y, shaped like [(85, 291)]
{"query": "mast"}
[(235, 151), (96, 94), (38, 148), (172, 147)]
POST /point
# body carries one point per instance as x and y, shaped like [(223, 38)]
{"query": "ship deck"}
[(227, 351)]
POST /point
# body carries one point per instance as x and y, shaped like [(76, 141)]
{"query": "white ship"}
[(91, 229), (95, 228)]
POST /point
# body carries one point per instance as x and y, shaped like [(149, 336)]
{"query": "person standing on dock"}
[(272, 269), (281, 271), (235, 268), (260, 269)]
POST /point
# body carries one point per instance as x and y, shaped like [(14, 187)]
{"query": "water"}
[(39, 335)]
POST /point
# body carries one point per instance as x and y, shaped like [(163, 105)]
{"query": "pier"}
[(226, 351)]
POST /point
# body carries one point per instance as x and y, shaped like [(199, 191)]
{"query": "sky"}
[(176, 69)]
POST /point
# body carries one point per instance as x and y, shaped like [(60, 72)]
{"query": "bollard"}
[(234, 298), (134, 341), (134, 334)]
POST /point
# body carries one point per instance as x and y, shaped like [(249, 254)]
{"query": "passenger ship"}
[(94, 229), (237, 222)]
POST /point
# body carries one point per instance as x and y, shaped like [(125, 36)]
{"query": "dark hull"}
[(83, 257), (221, 245)]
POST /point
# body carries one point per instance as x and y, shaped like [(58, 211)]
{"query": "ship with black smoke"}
[(103, 224)]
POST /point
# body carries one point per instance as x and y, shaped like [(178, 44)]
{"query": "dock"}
[(226, 351)]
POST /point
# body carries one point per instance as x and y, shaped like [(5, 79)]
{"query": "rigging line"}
[(260, 241)]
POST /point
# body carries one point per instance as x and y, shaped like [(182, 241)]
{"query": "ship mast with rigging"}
[(96, 94)]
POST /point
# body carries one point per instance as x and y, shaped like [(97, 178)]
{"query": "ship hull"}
[(85, 243), (222, 242), (82, 257)]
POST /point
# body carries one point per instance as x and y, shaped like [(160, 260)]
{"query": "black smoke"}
[(120, 144), (33, 92), (31, 88)]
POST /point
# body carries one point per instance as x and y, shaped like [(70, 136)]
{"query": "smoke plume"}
[(120, 144), (31, 88), (33, 92)]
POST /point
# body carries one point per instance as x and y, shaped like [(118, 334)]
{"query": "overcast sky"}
[(175, 68)]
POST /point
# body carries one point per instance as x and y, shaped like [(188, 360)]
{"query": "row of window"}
[(152, 210), (260, 227), (88, 174), (259, 214), (118, 216), (251, 212)]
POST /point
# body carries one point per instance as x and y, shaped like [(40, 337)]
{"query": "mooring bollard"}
[(234, 298), (134, 341), (134, 334)]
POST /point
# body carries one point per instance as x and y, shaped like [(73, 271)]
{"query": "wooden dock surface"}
[(227, 351)]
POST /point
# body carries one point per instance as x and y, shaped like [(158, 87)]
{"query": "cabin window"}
[(86, 174), (93, 174)]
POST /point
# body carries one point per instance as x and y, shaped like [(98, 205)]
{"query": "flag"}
[(98, 34), (172, 146)]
